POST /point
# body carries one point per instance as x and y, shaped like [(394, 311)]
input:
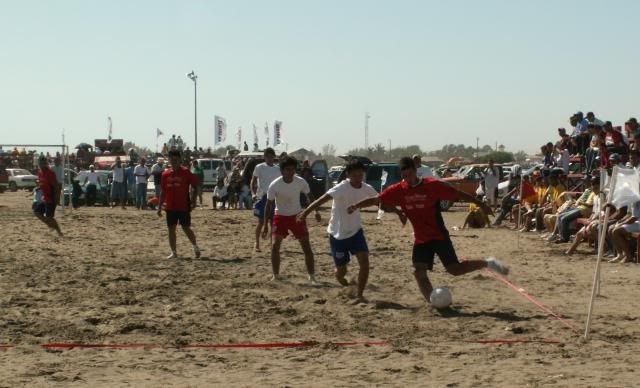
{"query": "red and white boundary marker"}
[(533, 300)]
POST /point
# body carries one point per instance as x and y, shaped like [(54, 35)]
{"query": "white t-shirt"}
[(118, 174), (220, 192), (342, 224), (563, 161), (266, 175), (425, 172), (141, 173), (491, 177), (92, 178), (287, 195)]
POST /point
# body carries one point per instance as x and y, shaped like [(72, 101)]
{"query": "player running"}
[(175, 183), (346, 236), (263, 175), (285, 192), (44, 208), (419, 200)]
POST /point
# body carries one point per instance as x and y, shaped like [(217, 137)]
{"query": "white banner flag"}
[(220, 131), (110, 127), (239, 138), (266, 132), (277, 132), (255, 137)]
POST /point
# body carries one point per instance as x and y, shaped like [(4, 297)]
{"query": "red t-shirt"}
[(47, 180), (175, 188), (421, 204)]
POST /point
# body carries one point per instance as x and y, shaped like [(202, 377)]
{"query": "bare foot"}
[(256, 248), (275, 278), (343, 282)]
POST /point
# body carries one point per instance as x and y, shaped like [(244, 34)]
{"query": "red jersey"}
[(175, 188), (421, 204), (47, 181)]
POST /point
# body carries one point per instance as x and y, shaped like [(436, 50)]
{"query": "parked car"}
[(379, 175), (469, 179), (334, 175), (210, 169), (20, 179)]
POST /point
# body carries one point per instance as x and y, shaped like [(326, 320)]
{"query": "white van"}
[(210, 169)]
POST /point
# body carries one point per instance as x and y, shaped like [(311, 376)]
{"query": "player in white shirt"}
[(263, 175), (346, 237), (285, 193)]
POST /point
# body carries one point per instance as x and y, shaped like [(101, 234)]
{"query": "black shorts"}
[(175, 217), (424, 253), (44, 209)]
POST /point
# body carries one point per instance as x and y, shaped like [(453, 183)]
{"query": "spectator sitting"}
[(613, 140), (622, 232), (567, 141), (592, 120), (547, 152), (509, 200), (552, 199), (581, 209), (562, 158), (589, 232), (220, 194), (529, 201), (476, 218)]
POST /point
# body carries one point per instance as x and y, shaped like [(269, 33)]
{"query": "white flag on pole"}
[(626, 191), (110, 127), (159, 132), (266, 132), (220, 131), (239, 138), (277, 132), (255, 137)]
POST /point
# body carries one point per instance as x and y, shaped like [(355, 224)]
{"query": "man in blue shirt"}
[(130, 179)]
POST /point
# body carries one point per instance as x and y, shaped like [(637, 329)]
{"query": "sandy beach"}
[(107, 281)]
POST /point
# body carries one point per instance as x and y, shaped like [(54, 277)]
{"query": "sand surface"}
[(108, 281)]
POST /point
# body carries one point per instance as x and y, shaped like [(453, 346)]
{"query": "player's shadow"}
[(450, 312)]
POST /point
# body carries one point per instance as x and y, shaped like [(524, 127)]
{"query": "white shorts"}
[(632, 228)]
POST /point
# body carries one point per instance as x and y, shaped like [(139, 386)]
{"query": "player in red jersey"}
[(419, 201), (45, 207), (174, 194)]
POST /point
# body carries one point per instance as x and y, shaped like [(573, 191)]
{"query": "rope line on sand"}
[(531, 299), (272, 345)]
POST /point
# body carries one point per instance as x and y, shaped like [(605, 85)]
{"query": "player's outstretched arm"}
[(314, 206), (373, 201)]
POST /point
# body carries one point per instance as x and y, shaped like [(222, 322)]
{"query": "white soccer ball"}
[(440, 298)]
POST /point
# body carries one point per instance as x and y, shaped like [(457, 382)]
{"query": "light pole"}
[(193, 77)]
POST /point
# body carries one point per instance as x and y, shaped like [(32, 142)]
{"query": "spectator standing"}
[(118, 185), (130, 178), (199, 173), (141, 173), (491, 181), (156, 171), (91, 186), (58, 169)]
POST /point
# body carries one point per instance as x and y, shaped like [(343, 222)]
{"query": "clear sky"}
[(430, 72)]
